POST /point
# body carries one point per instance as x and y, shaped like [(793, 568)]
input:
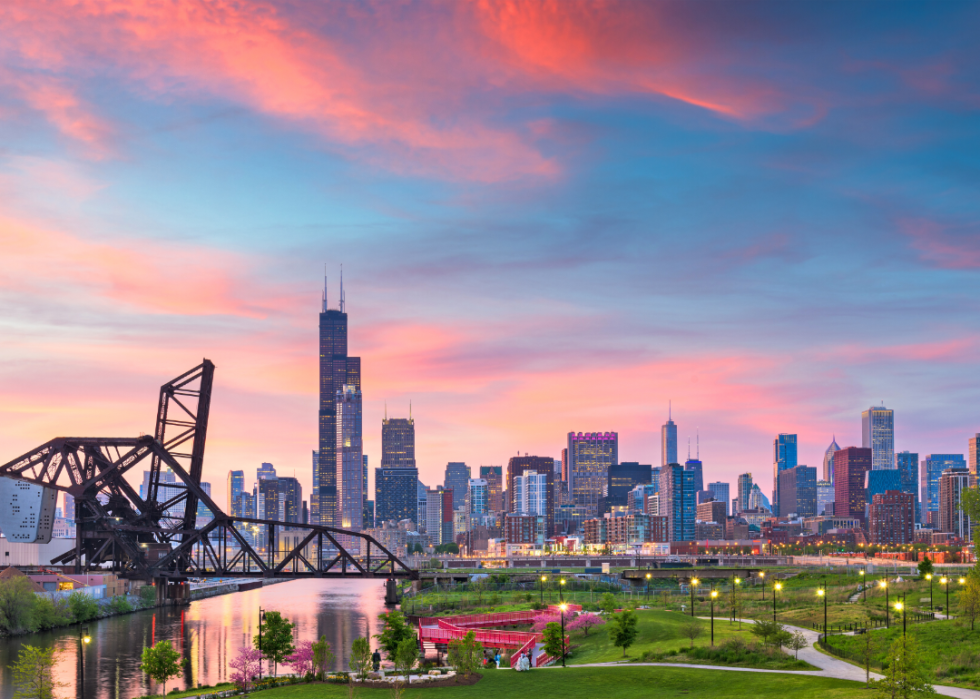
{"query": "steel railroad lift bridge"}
[(155, 537)]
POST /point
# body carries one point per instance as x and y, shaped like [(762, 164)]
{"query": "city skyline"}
[(533, 241)]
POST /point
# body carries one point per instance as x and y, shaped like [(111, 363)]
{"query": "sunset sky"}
[(551, 216)]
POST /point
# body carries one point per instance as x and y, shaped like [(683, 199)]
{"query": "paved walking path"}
[(828, 664)]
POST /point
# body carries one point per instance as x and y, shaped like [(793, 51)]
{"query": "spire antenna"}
[(669, 411), (341, 288), (324, 305), (697, 431)]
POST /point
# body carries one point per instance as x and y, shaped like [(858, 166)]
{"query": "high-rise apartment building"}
[(479, 501), (590, 454), (783, 457), (952, 519), (797, 488), (828, 460), (531, 493), (721, 492), (677, 501), (291, 493), (892, 518), (878, 435), (519, 465), (494, 476), (457, 479), (850, 465), (668, 442), (337, 370), (907, 465), (744, 490), (930, 470), (350, 459), (398, 443), (396, 494), (973, 454), (236, 486)]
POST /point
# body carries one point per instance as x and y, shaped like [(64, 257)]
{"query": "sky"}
[(551, 217)]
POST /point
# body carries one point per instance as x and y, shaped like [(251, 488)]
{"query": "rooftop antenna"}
[(688, 448), (697, 432), (409, 410), (669, 411), (386, 411), (324, 306), (341, 288)]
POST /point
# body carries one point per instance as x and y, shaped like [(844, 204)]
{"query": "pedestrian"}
[(497, 659), (376, 660)]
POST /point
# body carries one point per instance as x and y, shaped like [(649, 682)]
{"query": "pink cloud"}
[(939, 245)]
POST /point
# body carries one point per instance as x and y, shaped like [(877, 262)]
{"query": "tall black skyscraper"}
[(336, 371)]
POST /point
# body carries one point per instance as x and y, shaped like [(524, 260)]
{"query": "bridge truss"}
[(155, 535)]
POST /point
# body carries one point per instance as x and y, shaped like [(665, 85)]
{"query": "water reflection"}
[(208, 634)]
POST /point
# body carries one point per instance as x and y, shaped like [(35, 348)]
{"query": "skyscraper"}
[(908, 469), (457, 479), (266, 470), (518, 466), (590, 455), (931, 469), (828, 460), (952, 519), (350, 459), (850, 465), (621, 479), (236, 486), (291, 494), (494, 476), (367, 519), (668, 441), (396, 494), (744, 490), (878, 435), (892, 518), (697, 468), (337, 370), (797, 488), (825, 498), (677, 502), (721, 492), (479, 501), (398, 442), (783, 457), (974, 453)]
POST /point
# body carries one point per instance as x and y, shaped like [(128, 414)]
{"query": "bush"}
[(17, 602), (148, 595), (83, 607), (50, 614), (119, 605)]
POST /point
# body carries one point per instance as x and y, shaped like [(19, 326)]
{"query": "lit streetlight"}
[(714, 593), (562, 607), (561, 586), (541, 588), (762, 577), (775, 588), (735, 583), (929, 578), (899, 607), (822, 592), (864, 587), (884, 584), (945, 582), (694, 583), (648, 586)]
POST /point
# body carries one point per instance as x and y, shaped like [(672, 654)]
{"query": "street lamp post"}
[(562, 607), (822, 592), (900, 607), (945, 581), (735, 582), (775, 587), (261, 617), (694, 583), (762, 577), (714, 593), (648, 586), (864, 588), (884, 584), (541, 589), (929, 578), (561, 594)]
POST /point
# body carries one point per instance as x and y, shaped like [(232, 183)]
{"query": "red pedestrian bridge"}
[(442, 630)]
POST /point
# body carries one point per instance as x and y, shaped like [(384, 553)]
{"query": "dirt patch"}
[(454, 681)]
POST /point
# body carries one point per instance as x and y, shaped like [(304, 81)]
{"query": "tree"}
[(247, 665), (552, 640), (302, 659), (161, 662), (770, 632), (925, 566), (623, 631), (797, 642), (868, 648), (448, 547), (321, 657), (276, 640), (588, 620), (405, 656), (465, 654), (904, 677), (394, 632), (32, 673), (360, 657), (17, 601), (970, 597), (691, 629), (607, 603), (83, 607)]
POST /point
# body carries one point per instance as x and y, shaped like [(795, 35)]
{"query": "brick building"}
[(893, 518)]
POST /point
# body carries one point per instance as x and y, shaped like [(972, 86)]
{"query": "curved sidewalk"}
[(828, 664)]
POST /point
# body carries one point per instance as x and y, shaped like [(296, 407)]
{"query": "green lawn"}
[(623, 682), (660, 632), (950, 651)]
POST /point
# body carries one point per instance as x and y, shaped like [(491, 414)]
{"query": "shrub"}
[(148, 595), (119, 605), (17, 601), (83, 607), (50, 614)]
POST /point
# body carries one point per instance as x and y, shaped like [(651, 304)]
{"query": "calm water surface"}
[(208, 633)]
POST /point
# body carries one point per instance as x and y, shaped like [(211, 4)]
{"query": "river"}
[(207, 632)]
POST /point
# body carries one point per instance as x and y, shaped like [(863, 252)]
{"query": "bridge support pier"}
[(391, 592), (170, 594)]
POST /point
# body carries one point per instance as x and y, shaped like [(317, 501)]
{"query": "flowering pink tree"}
[(587, 621), (247, 666), (542, 620), (302, 659)]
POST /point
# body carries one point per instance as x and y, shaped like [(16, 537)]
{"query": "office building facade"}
[(457, 479), (494, 476), (784, 456), (697, 468), (590, 454), (907, 465), (878, 435), (350, 459), (398, 443), (930, 471), (797, 489), (396, 495), (973, 453), (721, 491), (828, 460), (668, 442), (892, 518), (291, 494), (744, 484), (517, 466), (621, 479), (850, 466), (677, 502), (952, 519), (825, 498), (236, 486)]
